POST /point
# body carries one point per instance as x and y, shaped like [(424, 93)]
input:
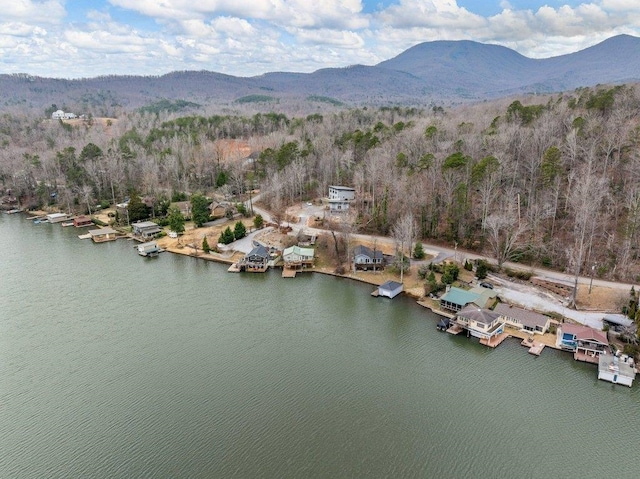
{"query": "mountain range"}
[(432, 72)]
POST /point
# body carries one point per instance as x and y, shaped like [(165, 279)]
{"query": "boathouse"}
[(150, 248), (57, 217), (103, 234), (390, 289), (616, 368), (82, 220)]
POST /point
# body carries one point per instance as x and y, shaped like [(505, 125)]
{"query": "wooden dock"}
[(455, 329), (288, 273), (535, 348), (375, 293), (234, 268), (494, 341)]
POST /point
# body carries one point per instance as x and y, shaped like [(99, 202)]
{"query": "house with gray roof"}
[(145, 229), (523, 319), (340, 197), (257, 260), (480, 323), (365, 258)]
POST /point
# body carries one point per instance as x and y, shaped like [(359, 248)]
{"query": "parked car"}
[(485, 284)]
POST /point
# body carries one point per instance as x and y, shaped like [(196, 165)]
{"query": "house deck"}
[(587, 358), (494, 341)]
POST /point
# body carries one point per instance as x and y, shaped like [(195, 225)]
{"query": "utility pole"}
[(593, 268)]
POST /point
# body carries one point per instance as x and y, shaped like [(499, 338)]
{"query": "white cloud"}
[(46, 11), (344, 39), (249, 37), (297, 13), (430, 14)]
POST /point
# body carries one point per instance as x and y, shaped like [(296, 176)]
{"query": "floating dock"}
[(535, 348), (288, 273)]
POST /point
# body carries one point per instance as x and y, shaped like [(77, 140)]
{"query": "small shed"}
[(390, 289)]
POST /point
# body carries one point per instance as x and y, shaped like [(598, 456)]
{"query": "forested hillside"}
[(553, 180), (439, 72)]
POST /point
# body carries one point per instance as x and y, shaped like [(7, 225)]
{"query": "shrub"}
[(423, 271), (205, 245), (226, 236), (450, 274), (418, 251), (239, 230), (482, 269), (523, 275)]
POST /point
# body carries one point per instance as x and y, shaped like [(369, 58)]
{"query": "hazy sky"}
[(86, 38)]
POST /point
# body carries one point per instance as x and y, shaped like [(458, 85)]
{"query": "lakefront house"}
[(523, 319), (586, 343), (365, 258), (480, 323)]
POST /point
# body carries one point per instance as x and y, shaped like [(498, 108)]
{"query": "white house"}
[(296, 257), (61, 115), (340, 197)]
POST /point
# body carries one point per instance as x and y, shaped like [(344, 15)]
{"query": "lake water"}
[(117, 366)]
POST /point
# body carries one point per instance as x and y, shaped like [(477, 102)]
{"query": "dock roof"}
[(102, 231)]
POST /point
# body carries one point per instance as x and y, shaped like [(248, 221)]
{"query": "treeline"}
[(552, 181)]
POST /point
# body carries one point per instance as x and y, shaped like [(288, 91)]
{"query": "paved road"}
[(441, 253)]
